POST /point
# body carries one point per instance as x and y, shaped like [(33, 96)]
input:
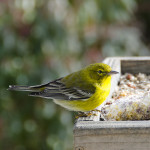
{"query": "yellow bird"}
[(83, 90)]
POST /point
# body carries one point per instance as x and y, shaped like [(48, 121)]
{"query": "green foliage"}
[(41, 40)]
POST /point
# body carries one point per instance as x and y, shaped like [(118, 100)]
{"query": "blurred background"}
[(41, 40)]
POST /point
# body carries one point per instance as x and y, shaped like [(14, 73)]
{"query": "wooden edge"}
[(130, 58), (111, 127), (134, 65), (115, 65)]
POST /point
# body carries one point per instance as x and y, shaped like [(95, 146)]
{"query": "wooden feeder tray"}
[(92, 134)]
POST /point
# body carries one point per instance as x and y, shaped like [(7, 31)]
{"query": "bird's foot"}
[(86, 114), (81, 114), (91, 113)]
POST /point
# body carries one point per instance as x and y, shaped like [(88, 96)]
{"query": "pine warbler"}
[(83, 90)]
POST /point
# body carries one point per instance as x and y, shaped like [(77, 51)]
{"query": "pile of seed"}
[(131, 99)]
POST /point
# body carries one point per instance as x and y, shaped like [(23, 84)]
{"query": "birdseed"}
[(131, 99)]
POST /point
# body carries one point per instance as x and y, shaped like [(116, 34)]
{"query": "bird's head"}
[(99, 71)]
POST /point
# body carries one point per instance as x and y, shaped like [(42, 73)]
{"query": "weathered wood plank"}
[(135, 66), (89, 128), (112, 135), (115, 65)]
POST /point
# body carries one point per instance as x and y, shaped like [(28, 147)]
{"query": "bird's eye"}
[(100, 71)]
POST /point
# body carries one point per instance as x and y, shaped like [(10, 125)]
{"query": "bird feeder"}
[(90, 133)]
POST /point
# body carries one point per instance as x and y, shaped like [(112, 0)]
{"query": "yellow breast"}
[(100, 95)]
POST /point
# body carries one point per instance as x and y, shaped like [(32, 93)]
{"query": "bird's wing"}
[(57, 90)]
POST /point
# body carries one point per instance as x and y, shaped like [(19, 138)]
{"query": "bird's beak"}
[(112, 72)]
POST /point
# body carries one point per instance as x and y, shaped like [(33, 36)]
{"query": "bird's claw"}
[(87, 114)]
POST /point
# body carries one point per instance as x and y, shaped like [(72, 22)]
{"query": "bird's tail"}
[(36, 88)]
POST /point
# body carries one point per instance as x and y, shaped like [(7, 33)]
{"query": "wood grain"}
[(135, 66), (113, 135)]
